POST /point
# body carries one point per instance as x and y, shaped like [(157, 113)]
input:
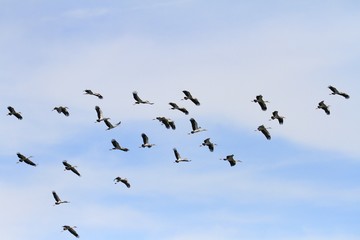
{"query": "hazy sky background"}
[(302, 184)]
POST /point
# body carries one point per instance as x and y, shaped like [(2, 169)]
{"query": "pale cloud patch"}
[(84, 13)]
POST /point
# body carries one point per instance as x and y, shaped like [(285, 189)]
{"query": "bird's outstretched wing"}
[(98, 112), (177, 155), (115, 144), (145, 138), (194, 124), (136, 97), (56, 197), (73, 169), (125, 181)]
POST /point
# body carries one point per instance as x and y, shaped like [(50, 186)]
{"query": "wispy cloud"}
[(84, 13)]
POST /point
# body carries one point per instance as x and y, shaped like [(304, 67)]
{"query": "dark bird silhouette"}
[(63, 110), (99, 114), (179, 158), (324, 107), (68, 166), (167, 122), (89, 92), (58, 201), (71, 230), (265, 131), (117, 146), (138, 100), (231, 160), (195, 127), (24, 159), (13, 112), (337, 92), (188, 96), (209, 144), (259, 99), (171, 123), (275, 115), (109, 124), (123, 180), (174, 106), (146, 141)]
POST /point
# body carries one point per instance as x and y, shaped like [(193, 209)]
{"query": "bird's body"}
[(174, 106), (209, 144), (63, 110), (188, 96), (71, 168), (179, 158), (24, 159), (259, 99), (337, 92), (15, 113), (117, 146), (123, 180), (109, 124), (264, 131), (90, 92), (58, 201), (167, 122), (324, 107), (71, 230), (138, 100), (275, 115), (146, 141), (195, 127), (231, 160)]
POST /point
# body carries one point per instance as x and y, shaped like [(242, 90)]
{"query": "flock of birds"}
[(169, 124)]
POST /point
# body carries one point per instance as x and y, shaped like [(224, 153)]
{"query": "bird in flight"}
[(231, 160), (174, 106), (15, 113), (89, 92), (195, 127), (117, 146), (24, 159), (323, 106), (99, 114), (58, 201), (63, 110), (123, 180), (179, 158), (259, 99), (337, 92), (188, 96), (138, 100), (209, 144), (71, 230), (167, 122), (275, 115), (146, 141), (68, 166), (109, 124), (264, 131)]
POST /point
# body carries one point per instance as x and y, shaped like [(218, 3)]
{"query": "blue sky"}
[(302, 184)]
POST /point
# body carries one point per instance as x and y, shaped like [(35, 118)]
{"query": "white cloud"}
[(84, 13)]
